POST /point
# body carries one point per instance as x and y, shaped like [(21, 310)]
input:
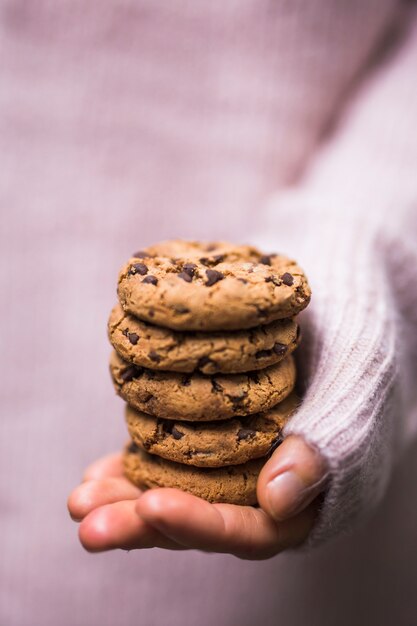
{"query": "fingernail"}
[(285, 495)]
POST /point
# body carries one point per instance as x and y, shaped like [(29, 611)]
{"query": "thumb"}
[(291, 479)]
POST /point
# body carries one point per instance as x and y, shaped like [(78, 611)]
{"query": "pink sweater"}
[(289, 124)]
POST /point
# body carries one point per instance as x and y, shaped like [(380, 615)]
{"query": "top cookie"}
[(218, 286)]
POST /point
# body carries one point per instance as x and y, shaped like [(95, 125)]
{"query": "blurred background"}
[(123, 123)]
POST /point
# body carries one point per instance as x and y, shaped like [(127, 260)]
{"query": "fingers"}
[(118, 526), (292, 478), (246, 532), (110, 465), (116, 515), (95, 493)]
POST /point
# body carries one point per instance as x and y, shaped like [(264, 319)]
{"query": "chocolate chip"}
[(138, 268), (133, 338), (132, 447), (186, 380), (177, 434), (273, 279), (287, 279), (140, 255), (131, 372), (279, 348), (261, 354), (151, 312), (243, 280), (237, 399), (154, 356), (185, 277), (189, 268), (245, 433), (210, 261), (215, 385), (151, 280), (125, 332), (265, 260), (203, 361), (213, 277), (170, 429)]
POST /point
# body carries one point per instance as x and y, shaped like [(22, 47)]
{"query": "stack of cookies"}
[(202, 337)]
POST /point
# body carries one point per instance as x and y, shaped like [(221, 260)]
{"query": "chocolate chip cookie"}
[(160, 348), (211, 444), (235, 484), (179, 248), (198, 397), (211, 287)]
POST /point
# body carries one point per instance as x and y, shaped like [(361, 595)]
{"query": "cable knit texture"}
[(125, 122)]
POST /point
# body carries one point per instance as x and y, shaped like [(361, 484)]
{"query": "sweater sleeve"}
[(352, 224)]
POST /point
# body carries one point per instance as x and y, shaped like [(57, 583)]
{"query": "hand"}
[(116, 514)]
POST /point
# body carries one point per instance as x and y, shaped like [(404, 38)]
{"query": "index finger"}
[(244, 531)]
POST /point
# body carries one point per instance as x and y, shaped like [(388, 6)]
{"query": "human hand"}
[(116, 514)]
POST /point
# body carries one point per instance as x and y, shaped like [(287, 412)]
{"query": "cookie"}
[(235, 484), (211, 287), (180, 248), (160, 348), (198, 397), (211, 444)]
